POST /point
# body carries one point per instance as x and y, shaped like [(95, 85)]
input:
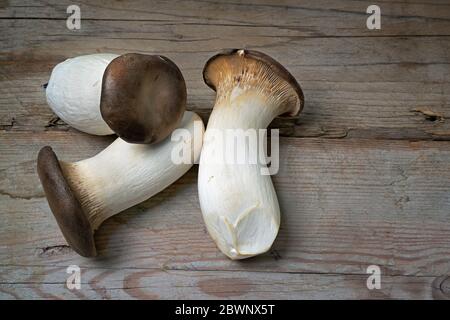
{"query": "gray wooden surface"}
[(364, 177)]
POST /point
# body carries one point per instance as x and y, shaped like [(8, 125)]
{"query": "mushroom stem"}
[(120, 176), (238, 203), (74, 89)]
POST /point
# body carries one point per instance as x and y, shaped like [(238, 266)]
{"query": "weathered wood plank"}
[(18, 282), (354, 87), (311, 18), (346, 204)]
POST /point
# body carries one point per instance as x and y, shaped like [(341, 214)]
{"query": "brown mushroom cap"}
[(248, 63), (143, 97), (66, 208)]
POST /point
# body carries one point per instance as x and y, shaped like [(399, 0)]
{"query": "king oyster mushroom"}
[(83, 194), (133, 95), (239, 204)]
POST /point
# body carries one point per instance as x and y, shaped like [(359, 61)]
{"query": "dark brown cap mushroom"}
[(143, 97), (85, 193)]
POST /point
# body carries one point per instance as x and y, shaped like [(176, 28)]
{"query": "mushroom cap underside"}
[(240, 62), (66, 208), (143, 97)]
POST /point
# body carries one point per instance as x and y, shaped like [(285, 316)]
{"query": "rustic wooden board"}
[(377, 195), (135, 283), (353, 88), (314, 18), (346, 204)]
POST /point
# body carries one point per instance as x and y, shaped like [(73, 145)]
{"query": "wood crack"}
[(54, 250), (15, 196), (8, 127)]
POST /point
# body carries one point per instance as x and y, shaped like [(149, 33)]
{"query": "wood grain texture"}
[(355, 86), (313, 18), (135, 283), (346, 204), (360, 180)]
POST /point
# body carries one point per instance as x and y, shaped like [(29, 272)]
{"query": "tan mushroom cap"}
[(66, 208), (241, 65), (143, 97)]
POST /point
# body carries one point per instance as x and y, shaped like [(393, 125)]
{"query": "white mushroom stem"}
[(239, 203), (74, 89), (125, 174)]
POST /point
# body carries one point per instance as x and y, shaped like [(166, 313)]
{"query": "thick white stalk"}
[(74, 89), (239, 204), (125, 174), (238, 200)]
